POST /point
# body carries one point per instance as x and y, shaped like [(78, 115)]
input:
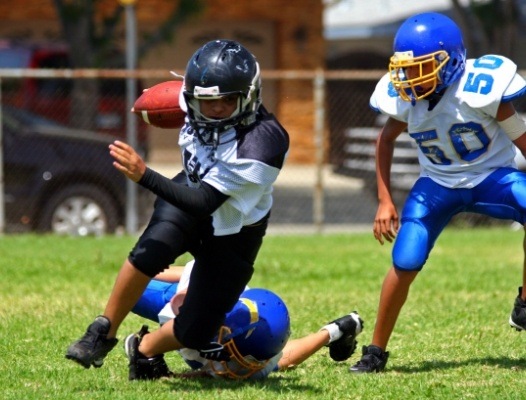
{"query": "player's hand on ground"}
[(386, 223), (127, 160)]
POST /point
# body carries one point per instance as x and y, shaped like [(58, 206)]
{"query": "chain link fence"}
[(57, 174)]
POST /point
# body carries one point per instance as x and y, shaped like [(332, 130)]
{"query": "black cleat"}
[(373, 360), (142, 367), (91, 348), (518, 314), (350, 325)]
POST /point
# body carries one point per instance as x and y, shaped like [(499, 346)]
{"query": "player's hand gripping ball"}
[(159, 105)]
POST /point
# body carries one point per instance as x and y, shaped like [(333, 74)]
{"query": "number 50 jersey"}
[(459, 140)]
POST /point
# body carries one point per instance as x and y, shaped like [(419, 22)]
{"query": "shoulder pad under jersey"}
[(385, 100), (488, 80)]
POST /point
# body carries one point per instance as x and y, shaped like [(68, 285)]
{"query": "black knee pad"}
[(170, 233)]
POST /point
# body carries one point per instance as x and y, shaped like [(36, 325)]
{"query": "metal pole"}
[(2, 197), (131, 121), (319, 116)]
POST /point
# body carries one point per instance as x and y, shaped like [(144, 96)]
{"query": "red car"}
[(53, 98)]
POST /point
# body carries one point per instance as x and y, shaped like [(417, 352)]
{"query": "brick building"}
[(282, 35)]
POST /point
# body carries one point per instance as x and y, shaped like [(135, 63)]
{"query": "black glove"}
[(214, 351)]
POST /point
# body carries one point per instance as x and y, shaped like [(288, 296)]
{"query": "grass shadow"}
[(275, 383), (426, 366)]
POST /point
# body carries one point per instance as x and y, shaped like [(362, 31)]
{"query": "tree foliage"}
[(490, 26), (93, 44)]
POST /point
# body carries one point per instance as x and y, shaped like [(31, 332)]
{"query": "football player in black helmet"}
[(222, 69), (217, 208)]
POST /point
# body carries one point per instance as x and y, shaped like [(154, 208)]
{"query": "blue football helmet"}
[(222, 68), (256, 330), (431, 46)]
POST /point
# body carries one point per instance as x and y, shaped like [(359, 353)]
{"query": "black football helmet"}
[(221, 68)]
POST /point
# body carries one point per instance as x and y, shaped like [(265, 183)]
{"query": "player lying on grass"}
[(252, 343), (217, 208)]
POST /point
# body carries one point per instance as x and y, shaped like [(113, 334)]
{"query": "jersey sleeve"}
[(246, 172), (245, 183), (488, 81), (516, 88), (385, 100), (243, 168), (167, 312)]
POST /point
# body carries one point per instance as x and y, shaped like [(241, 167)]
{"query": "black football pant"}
[(223, 267)]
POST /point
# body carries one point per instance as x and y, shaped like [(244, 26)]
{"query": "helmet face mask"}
[(239, 366), (256, 330), (425, 69), (219, 69), (198, 105), (429, 55)]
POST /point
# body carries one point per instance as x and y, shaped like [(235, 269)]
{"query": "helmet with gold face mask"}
[(429, 55), (255, 331)]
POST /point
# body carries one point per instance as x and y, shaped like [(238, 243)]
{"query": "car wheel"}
[(79, 210)]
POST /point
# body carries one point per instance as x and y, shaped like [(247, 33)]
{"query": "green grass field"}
[(452, 340)]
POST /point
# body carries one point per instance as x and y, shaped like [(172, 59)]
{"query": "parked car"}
[(58, 179), (52, 98)]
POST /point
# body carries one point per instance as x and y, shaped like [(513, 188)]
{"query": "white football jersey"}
[(459, 141), (244, 167)]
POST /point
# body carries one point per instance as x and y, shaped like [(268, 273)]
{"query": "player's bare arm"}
[(386, 222)]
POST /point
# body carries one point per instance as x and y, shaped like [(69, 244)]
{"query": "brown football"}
[(159, 105)]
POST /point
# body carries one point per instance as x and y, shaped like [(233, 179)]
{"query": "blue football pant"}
[(429, 208), (154, 298)]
